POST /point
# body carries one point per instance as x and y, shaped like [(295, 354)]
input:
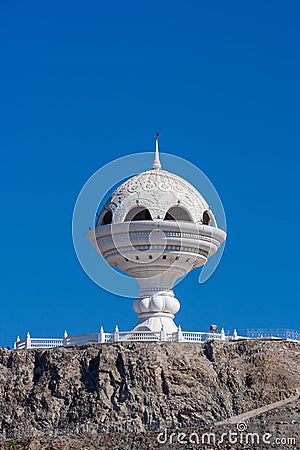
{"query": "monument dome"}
[(156, 195)]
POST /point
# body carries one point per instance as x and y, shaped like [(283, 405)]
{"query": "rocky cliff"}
[(79, 395)]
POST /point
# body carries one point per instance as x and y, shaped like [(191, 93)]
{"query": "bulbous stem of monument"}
[(156, 305), (156, 311)]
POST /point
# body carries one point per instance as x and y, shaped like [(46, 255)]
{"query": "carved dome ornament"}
[(156, 227), (158, 191)]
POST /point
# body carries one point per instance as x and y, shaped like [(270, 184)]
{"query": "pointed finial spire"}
[(156, 162)]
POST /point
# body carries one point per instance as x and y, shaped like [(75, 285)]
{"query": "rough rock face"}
[(138, 387)]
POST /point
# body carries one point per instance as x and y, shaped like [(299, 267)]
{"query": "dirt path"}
[(255, 412)]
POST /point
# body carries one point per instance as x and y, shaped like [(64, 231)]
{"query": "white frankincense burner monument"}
[(156, 227)]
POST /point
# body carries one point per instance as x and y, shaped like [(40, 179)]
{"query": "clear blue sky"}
[(83, 83)]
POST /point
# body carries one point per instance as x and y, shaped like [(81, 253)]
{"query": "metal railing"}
[(275, 333)]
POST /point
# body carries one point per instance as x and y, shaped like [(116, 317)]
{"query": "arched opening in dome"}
[(107, 218), (206, 218), (178, 213), (138, 213)]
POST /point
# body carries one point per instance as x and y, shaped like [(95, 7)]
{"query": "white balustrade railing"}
[(81, 339), (45, 342), (30, 342), (139, 336), (151, 336)]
